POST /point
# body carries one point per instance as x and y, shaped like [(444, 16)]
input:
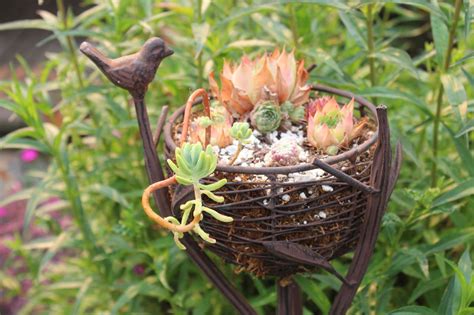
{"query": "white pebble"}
[(285, 197), (265, 202), (322, 214), (327, 188), (238, 179), (231, 149), (305, 222), (319, 172), (303, 195)]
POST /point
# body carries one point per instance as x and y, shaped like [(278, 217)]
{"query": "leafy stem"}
[(69, 42), (371, 47), (439, 100)]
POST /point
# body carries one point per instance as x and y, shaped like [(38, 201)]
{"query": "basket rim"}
[(169, 142)]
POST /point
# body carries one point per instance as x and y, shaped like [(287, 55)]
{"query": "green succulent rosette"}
[(266, 116), (292, 112)]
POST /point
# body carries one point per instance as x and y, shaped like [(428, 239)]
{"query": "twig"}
[(160, 124)]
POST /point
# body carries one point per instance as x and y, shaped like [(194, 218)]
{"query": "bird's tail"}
[(95, 55)]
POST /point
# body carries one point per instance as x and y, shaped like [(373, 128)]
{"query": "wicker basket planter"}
[(323, 217)]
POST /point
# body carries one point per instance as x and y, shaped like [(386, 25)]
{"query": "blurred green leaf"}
[(397, 57), (414, 310), (315, 293), (457, 96), (200, 33), (459, 191), (467, 57), (440, 35), (353, 29), (81, 295), (50, 253), (468, 15), (109, 192), (26, 24), (384, 92), (468, 127)]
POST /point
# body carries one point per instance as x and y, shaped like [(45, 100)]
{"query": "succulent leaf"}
[(216, 215), (205, 236), (213, 196), (213, 186)]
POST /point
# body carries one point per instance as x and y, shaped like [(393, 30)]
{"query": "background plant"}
[(414, 56)]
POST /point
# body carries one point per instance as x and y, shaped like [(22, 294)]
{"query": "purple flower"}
[(3, 212), (139, 269), (29, 155)]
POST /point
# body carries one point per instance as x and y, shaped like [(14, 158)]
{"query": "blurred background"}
[(73, 238)]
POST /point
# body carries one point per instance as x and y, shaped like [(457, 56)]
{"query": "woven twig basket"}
[(322, 219)]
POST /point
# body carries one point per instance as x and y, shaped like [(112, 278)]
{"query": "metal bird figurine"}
[(132, 72)]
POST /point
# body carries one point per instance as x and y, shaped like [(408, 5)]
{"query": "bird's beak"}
[(168, 52)]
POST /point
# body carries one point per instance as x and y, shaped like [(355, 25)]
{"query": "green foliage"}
[(96, 167)]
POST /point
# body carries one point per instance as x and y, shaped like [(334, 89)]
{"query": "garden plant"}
[(267, 109)]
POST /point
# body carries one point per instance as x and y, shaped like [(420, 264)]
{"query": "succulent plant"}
[(284, 152), (192, 164), (266, 116), (241, 132), (220, 122), (244, 85), (291, 113), (331, 126), (315, 104)]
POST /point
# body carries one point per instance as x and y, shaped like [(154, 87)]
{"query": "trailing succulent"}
[(192, 165)]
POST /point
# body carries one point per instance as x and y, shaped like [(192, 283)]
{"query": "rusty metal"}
[(138, 79), (270, 237)]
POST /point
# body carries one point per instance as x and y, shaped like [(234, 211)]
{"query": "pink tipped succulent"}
[(277, 76), (330, 126), (316, 104), (284, 152), (220, 122)]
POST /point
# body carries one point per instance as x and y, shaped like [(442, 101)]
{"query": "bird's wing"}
[(123, 76)]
